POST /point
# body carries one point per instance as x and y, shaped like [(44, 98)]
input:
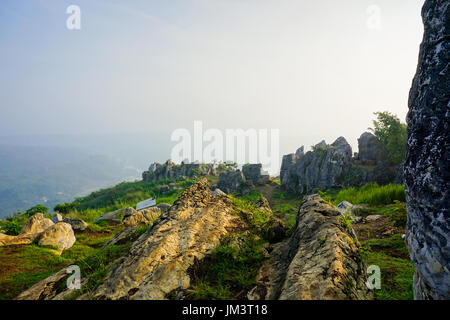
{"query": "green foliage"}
[(230, 269), (396, 213), (67, 207), (397, 270), (371, 194), (39, 208), (392, 133), (11, 227), (258, 219), (346, 220), (141, 230)]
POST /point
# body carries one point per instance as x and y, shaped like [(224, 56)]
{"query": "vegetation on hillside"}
[(392, 133)]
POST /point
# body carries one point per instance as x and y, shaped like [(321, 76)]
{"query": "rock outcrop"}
[(144, 216), (319, 261), (158, 261), (370, 150), (426, 169), (171, 170), (59, 235), (231, 181), (325, 167), (254, 175)]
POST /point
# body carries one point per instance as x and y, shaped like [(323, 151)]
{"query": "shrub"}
[(36, 209)]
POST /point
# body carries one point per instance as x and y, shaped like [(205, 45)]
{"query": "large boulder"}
[(253, 174), (320, 261), (158, 261), (35, 225), (78, 225), (32, 229), (60, 236), (370, 150), (426, 169), (231, 181), (325, 167)]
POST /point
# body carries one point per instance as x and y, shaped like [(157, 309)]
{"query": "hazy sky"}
[(313, 69)]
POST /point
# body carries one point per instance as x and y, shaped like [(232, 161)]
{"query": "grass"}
[(23, 266), (258, 219), (371, 194), (397, 271), (230, 271)]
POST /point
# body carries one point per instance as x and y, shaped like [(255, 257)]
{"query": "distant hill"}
[(51, 175)]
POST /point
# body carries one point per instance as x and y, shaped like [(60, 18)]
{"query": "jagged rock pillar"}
[(426, 170)]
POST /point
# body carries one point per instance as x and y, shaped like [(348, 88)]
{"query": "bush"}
[(36, 209)]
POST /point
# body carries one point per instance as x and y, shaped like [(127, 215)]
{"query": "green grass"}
[(397, 271), (229, 271), (370, 194), (25, 266), (258, 219)]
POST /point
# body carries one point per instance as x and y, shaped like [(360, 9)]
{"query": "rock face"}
[(170, 170), (370, 150), (253, 174), (231, 181), (426, 169), (326, 166), (158, 261), (59, 235), (144, 216), (45, 289), (319, 261)]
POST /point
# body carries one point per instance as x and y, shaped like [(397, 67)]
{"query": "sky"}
[(312, 69)]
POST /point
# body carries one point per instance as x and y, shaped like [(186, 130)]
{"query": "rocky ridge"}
[(319, 261)]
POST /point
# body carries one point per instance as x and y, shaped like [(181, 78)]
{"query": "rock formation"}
[(231, 181), (59, 235), (254, 175), (144, 216), (426, 169), (325, 167), (77, 224), (370, 150), (170, 170), (319, 261), (158, 261)]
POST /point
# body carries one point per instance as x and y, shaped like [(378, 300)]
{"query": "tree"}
[(39, 208), (392, 133), (66, 207)]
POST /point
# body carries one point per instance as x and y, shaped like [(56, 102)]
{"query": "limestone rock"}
[(158, 261), (426, 168), (164, 207), (325, 167), (115, 216), (57, 218), (370, 150), (45, 289), (59, 235), (231, 181), (320, 261), (35, 225), (218, 192), (78, 225), (144, 216), (170, 170), (7, 240), (253, 174), (124, 236)]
